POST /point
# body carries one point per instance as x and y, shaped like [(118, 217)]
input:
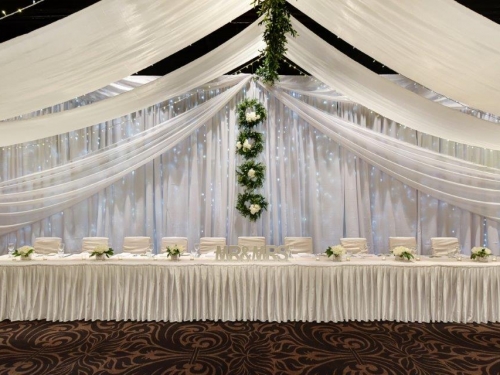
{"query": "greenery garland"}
[(277, 25), (250, 119), (251, 174), (256, 204), (250, 144)]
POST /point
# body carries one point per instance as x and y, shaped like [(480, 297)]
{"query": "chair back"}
[(89, 243), (208, 244), (136, 245), (409, 242), (354, 245), (444, 246), (251, 242), (47, 245), (181, 242), (299, 244)]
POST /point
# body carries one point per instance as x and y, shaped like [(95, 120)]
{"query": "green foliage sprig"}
[(173, 250), (251, 175), (277, 25)]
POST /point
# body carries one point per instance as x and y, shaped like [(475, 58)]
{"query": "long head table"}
[(300, 289)]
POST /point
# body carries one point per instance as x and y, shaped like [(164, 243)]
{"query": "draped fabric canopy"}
[(391, 101), (59, 61), (112, 168), (438, 43)]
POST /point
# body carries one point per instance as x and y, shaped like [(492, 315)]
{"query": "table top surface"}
[(209, 259)]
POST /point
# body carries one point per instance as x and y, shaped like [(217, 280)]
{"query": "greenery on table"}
[(277, 25), (102, 250), (403, 252), (173, 251), (337, 251), (24, 251), (480, 252)]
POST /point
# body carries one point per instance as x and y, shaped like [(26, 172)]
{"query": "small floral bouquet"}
[(173, 251), (337, 251), (101, 250), (480, 252), (252, 117), (24, 252), (402, 252)]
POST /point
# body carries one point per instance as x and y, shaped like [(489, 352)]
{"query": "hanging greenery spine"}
[(277, 24), (250, 174)]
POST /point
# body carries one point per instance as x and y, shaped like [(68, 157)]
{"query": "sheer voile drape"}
[(438, 43), (315, 187), (390, 100), (60, 61), (243, 47)]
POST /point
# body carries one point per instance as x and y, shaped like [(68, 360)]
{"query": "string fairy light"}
[(19, 10)]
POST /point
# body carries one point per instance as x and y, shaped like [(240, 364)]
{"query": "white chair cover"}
[(444, 246), (354, 245), (89, 243), (409, 242), (208, 244), (47, 245), (181, 242), (299, 244), (251, 242), (136, 245)]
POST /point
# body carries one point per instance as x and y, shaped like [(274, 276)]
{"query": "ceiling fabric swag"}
[(235, 52), (384, 97), (456, 55), (103, 43), (32, 202), (476, 192)]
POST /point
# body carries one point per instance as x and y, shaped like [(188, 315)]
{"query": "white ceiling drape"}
[(101, 44), (438, 43), (235, 52), (34, 197), (384, 97)]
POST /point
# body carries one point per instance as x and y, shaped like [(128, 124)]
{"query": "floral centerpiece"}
[(402, 252), (337, 252), (24, 252), (480, 253), (173, 251), (101, 252)]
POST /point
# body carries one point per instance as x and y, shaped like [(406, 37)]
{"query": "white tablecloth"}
[(301, 289)]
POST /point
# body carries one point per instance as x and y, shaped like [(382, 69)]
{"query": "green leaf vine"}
[(277, 26), (249, 145)]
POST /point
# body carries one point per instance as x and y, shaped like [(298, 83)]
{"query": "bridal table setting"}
[(302, 287)]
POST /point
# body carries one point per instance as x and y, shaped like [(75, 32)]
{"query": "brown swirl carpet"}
[(248, 348)]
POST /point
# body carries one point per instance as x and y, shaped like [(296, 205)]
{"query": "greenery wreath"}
[(251, 175), (256, 204), (249, 144), (250, 119)]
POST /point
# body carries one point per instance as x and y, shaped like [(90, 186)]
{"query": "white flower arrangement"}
[(101, 250), (480, 252), (254, 208), (23, 252), (239, 145), (337, 251), (247, 145), (251, 173), (174, 251), (402, 252), (252, 116)]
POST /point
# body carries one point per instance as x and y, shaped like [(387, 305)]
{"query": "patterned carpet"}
[(248, 348)]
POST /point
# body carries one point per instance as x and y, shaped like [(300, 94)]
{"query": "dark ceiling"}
[(53, 10)]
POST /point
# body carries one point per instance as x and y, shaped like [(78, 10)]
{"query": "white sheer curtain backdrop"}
[(380, 95), (126, 36), (235, 52), (438, 43), (315, 187)]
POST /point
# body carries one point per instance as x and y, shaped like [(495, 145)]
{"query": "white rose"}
[(100, 249), (247, 145), (488, 251), (399, 250), (476, 249), (337, 250), (251, 173), (257, 117), (251, 116), (239, 145), (24, 250), (254, 208)]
